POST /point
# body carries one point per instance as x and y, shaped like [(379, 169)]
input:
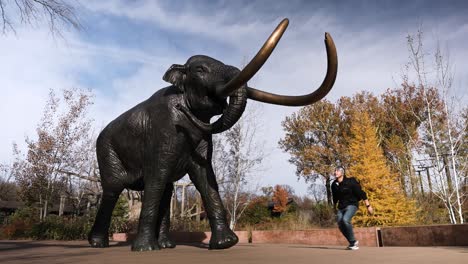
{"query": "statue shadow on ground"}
[(13, 245), (190, 244), (192, 239), (21, 245)]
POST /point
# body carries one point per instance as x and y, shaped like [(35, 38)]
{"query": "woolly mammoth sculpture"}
[(169, 135)]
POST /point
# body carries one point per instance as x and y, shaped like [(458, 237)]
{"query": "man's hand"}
[(370, 210)]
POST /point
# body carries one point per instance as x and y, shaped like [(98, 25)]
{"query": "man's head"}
[(339, 172)]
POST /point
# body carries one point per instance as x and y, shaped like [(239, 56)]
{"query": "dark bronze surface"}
[(307, 99), (257, 62), (169, 135)]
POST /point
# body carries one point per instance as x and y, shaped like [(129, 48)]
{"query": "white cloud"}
[(215, 25), (32, 63)]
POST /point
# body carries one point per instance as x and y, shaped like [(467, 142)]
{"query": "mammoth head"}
[(199, 78), (211, 82)]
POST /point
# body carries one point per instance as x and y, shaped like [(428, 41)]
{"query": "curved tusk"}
[(256, 63), (307, 99)]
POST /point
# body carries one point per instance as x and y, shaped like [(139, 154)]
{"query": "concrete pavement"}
[(51, 252)]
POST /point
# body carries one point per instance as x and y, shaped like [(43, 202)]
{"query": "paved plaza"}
[(51, 252)]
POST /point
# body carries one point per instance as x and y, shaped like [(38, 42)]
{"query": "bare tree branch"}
[(83, 177), (237, 155), (56, 13)]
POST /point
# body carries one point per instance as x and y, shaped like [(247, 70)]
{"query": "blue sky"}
[(126, 46)]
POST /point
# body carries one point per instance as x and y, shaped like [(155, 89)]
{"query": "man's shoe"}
[(354, 245)]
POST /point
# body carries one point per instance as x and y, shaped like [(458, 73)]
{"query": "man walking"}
[(347, 193)]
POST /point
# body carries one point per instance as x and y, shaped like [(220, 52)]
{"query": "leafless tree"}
[(60, 161), (443, 132), (8, 187), (237, 157), (318, 190), (57, 13)]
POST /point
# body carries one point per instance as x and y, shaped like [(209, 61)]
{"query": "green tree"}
[(369, 166)]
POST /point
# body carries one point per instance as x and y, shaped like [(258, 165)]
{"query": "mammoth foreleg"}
[(164, 220), (205, 181)]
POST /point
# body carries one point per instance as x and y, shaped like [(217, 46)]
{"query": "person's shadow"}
[(319, 247)]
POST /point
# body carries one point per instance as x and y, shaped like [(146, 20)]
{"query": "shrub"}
[(189, 225), (15, 230), (322, 215), (256, 212), (61, 228), (27, 214), (24, 223), (120, 217), (293, 208), (19, 224)]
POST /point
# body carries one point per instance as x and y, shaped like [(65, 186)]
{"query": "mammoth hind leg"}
[(164, 219), (156, 178), (99, 235), (112, 175)]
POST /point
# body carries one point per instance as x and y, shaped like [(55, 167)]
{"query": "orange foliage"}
[(280, 199)]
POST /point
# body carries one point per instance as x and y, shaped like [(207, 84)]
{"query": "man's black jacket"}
[(347, 192)]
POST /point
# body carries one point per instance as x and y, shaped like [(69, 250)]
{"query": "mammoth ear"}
[(175, 74)]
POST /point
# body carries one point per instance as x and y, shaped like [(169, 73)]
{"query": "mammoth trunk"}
[(232, 113)]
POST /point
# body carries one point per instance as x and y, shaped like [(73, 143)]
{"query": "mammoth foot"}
[(144, 244), (98, 241), (165, 242), (223, 239)]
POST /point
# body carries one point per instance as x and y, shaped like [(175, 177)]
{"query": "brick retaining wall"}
[(366, 237), (434, 235), (420, 236)]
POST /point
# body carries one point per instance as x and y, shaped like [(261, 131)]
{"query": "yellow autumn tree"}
[(368, 165)]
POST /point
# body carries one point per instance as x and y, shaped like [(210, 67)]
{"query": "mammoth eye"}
[(200, 69)]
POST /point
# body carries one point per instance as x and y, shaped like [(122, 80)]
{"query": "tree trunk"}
[(45, 212), (329, 193), (447, 174), (198, 208), (174, 201), (88, 207), (403, 181), (40, 208), (412, 182), (182, 206), (429, 180), (62, 205), (421, 183)]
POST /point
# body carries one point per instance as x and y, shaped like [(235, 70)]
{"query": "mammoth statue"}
[(169, 135)]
